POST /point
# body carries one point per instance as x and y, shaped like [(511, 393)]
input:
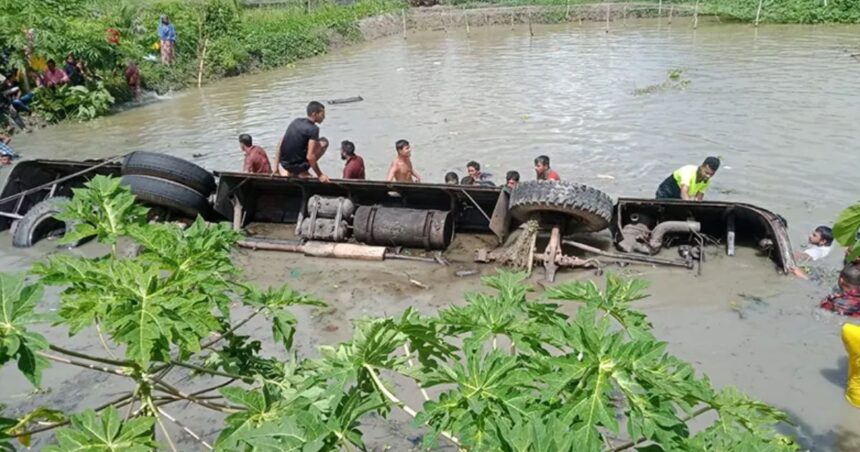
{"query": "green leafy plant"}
[(73, 102), (507, 371), (846, 231)]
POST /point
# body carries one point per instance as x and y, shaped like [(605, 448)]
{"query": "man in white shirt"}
[(820, 243)]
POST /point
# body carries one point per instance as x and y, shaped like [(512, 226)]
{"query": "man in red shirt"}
[(256, 160), (542, 169), (847, 300), (354, 167)]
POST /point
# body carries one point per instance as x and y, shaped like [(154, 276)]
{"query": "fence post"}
[(403, 15), (758, 13), (466, 18), (660, 8), (567, 14), (512, 18), (671, 10)]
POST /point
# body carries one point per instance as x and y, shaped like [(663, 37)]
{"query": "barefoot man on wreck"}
[(300, 149), (401, 168)]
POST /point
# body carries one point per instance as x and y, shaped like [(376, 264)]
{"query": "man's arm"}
[(700, 196), (313, 160), (392, 171), (685, 195), (416, 176)]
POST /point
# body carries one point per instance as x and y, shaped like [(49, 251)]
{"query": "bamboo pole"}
[(466, 18), (567, 14), (671, 10), (403, 15), (758, 12), (660, 8), (696, 16), (531, 30), (608, 10), (512, 19)]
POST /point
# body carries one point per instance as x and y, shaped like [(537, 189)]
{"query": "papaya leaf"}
[(105, 432), (104, 209), (17, 304), (846, 227)]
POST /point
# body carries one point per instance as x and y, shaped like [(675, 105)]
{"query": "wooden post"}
[(696, 16), (552, 250), (660, 8), (403, 15), (758, 13), (671, 10), (512, 18), (466, 17), (567, 14)]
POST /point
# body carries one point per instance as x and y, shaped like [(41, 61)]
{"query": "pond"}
[(779, 104)]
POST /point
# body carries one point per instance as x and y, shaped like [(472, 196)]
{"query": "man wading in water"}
[(689, 182), (300, 148), (401, 168)]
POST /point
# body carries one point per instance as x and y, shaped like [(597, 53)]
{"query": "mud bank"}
[(448, 17)]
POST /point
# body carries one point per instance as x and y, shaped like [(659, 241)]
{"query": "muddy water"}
[(780, 104)]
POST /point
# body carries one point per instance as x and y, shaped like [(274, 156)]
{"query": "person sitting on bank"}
[(451, 178), (820, 244), (542, 169), (847, 300), (54, 76), (512, 178), (354, 166), (256, 160), (7, 154), (689, 182), (401, 169), (476, 177), (300, 149)]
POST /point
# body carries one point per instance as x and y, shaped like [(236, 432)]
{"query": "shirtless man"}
[(401, 168)]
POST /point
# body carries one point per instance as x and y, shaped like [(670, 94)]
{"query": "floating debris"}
[(675, 80)]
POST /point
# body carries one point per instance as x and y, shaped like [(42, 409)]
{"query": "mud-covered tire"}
[(586, 209), (171, 168), (39, 223), (165, 193)]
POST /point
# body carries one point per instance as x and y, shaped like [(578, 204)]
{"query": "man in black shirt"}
[(299, 149)]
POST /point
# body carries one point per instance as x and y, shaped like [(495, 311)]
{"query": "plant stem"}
[(45, 428), (186, 429), (98, 359), (131, 405), (400, 404), (104, 342), (60, 359), (161, 424), (232, 329), (207, 371), (412, 365), (639, 441), (220, 408)]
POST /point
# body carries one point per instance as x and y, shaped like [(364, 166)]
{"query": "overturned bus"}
[(371, 217)]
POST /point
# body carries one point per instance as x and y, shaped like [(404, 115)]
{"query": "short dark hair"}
[(712, 163), (51, 61), (512, 175), (246, 139), (451, 177), (400, 144), (315, 107), (542, 159), (474, 164), (324, 139), (851, 275), (348, 147), (826, 233)]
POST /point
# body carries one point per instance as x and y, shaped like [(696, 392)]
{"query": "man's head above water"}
[(849, 279), (708, 168)]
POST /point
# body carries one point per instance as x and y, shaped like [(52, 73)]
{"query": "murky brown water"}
[(780, 104)]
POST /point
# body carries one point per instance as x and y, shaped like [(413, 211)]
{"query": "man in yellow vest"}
[(689, 182)]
